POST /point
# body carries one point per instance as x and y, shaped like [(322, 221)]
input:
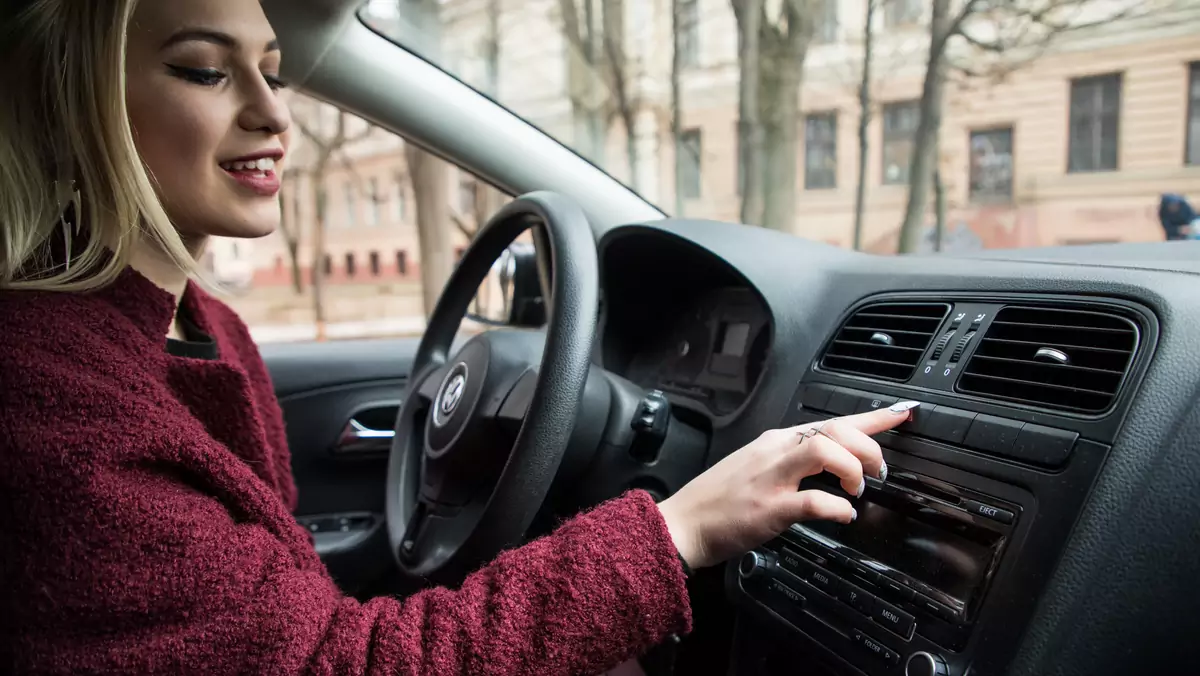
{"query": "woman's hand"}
[(751, 495)]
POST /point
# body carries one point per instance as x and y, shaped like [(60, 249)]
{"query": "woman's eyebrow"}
[(209, 35)]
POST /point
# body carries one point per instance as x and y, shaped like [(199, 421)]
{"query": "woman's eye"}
[(208, 77), (274, 82)]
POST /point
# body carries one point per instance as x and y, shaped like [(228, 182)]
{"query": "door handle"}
[(364, 433)]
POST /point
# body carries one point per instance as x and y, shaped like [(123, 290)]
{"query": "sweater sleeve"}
[(142, 569)]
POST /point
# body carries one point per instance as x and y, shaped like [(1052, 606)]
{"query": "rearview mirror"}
[(511, 294)]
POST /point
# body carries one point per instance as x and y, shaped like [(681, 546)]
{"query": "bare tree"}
[(772, 47), (290, 225), (864, 120), (986, 39), (585, 51), (601, 77), (328, 144), (677, 30), (429, 174)]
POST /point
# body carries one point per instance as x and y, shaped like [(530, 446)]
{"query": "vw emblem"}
[(451, 395)]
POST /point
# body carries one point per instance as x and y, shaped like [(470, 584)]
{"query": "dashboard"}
[(1041, 513), (710, 352)]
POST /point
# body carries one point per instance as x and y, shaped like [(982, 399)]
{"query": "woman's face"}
[(202, 91)]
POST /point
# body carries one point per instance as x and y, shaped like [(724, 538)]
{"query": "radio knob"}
[(925, 664), (754, 563)]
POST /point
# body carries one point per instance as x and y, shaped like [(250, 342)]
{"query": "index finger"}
[(883, 419)]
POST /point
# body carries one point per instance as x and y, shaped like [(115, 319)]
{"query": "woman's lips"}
[(265, 183), (258, 175)]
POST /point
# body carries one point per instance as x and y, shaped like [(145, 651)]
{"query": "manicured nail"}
[(883, 471), (853, 514), (903, 406), (862, 487)]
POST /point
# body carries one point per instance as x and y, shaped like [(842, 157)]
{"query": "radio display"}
[(947, 554)]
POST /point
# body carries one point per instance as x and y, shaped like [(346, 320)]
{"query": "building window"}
[(348, 195), (373, 197), (400, 204), (402, 263), (827, 21), (991, 172), (1193, 123), (374, 258), (689, 33), (901, 12), (900, 122), (328, 265), (687, 164), (820, 151), (350, 265), (1095, 123)]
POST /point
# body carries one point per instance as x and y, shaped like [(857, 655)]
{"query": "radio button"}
[(794, 563), (874, 403), (992, 434), (989, 512), (825, 581), (870, 645), (895, 590), (816, 397), (948, 424), (934, 608), (891, 617), (865, 572), (1043, 445), (843, 402), (857, 599)]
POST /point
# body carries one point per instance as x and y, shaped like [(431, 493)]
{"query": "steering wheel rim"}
[(426, 540)]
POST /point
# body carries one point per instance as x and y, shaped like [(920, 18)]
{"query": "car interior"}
[(1041, 513)]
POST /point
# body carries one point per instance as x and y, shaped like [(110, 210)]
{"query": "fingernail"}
[(862, 488), (853, 514), (883, 471), (903, 406)]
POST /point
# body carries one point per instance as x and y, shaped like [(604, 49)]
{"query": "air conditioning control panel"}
[(1071, 356)]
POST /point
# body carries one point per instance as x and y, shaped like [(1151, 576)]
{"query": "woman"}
[(146, 495)]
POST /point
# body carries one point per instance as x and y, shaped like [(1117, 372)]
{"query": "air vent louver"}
[(1069, 360), (885, 340)]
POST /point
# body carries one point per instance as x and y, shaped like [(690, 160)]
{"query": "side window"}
[(346, 261)]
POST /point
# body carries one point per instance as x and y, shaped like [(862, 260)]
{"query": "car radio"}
[(903, 583)]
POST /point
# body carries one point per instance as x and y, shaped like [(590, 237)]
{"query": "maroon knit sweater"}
[(145, 517)]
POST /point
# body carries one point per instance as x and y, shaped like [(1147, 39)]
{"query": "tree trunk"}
[(924, 156), (939, 194), (677, 99), (318, 265), (293, 247), (289, 226), (749, 14), (430, 183), (864, 125)]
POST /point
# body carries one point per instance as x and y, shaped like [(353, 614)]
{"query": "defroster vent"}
[(885, 340), (1056, 358)]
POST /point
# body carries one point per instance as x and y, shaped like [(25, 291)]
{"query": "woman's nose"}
[(265, 111)]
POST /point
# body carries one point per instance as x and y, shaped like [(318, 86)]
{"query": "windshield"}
[(1040, 122)]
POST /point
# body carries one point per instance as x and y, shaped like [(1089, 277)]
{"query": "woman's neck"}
[(156, 266)]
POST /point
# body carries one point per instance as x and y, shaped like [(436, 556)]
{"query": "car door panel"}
[(339, 402)]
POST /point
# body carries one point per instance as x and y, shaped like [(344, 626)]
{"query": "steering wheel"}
[(455, 500)]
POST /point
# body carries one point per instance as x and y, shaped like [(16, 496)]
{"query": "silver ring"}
[(814, 431)]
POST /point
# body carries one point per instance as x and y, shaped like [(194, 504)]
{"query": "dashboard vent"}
[(1070, 360), (885, 340)]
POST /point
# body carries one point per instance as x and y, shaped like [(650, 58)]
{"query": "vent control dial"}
[(940, 347), (962, 346)]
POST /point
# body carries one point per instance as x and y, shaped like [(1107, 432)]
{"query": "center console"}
[(942, 569)]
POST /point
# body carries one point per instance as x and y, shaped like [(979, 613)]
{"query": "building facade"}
[(1073, 146)]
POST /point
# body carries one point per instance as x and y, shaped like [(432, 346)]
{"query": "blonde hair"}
[(64, 122)]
